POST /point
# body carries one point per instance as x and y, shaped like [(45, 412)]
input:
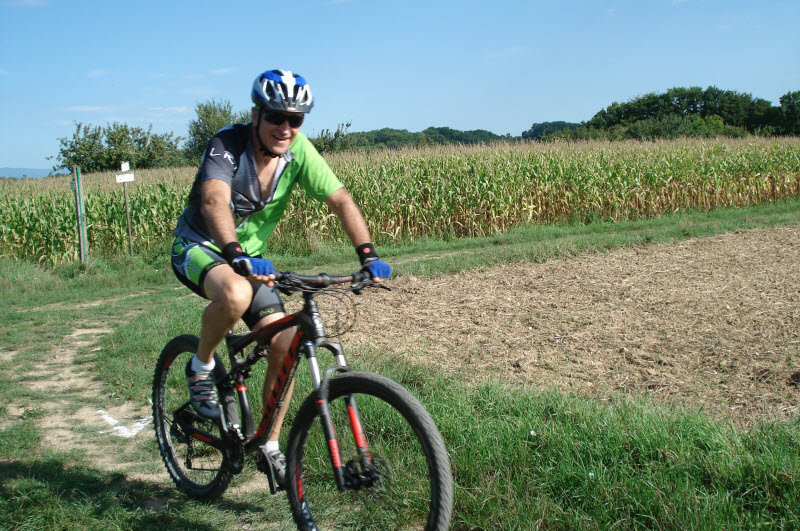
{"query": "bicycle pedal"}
[(264, 467), (273, 483)]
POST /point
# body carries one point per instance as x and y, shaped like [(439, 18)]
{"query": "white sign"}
[(125, 166), (125, 177)]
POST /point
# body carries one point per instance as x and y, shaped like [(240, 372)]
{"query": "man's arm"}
[(216, 210), (341, 203), (219, 220)]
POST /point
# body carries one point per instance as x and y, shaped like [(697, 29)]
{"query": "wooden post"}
[(128, 215), (125, 178), (80, 213)]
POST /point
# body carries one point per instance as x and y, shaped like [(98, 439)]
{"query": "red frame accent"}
[(201, 437), (358, 431), (283, 375), (333, 445)]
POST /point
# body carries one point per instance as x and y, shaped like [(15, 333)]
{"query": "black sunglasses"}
[(276, 118)]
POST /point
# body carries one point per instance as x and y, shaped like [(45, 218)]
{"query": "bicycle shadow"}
[(55, 493)]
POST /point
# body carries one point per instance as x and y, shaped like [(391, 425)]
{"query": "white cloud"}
[(194, 77), (199, 91), (96, 72), (60, 123), (177, 109), (223, 71), (87, 108)]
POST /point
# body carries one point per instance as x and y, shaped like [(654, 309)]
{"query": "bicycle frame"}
[(310, 336)]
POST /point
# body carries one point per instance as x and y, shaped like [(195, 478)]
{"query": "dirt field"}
[(710, 323)]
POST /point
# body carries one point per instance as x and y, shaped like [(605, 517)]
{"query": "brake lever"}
[(285, 284), (287, 290), (358, 287)]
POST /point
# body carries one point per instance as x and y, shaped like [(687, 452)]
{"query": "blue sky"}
[(500, 65)]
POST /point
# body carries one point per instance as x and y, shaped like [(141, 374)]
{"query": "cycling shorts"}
[(192, 261)]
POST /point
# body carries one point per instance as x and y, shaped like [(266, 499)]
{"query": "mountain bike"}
[(388, 470)]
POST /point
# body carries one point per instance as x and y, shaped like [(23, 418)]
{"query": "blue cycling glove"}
[(378, 269), (370, 262), (245, 265)]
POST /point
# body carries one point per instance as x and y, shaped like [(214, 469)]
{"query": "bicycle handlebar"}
[(288, 281)]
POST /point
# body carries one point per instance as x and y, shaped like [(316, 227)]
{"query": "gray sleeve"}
[(218, 163)]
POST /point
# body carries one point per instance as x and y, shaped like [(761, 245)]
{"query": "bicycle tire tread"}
[(215, 488), (415, 414)]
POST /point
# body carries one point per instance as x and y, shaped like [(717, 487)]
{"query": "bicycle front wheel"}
[(407, 482), (197, 468)]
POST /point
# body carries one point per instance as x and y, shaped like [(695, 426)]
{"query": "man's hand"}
[(257, 269), (378, 269)]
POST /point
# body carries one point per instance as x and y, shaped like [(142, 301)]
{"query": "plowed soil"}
[(707, 323)]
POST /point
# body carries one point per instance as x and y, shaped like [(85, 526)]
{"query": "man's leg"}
[(230, 296), (279, 349)]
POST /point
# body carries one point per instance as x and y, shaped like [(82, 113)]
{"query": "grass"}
[(526, 459), (522, 458)]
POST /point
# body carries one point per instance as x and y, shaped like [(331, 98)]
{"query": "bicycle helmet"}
[(281, 90)]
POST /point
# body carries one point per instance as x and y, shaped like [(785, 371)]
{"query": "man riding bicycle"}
[(240, 191)]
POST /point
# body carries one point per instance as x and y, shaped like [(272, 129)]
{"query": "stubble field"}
[(708, 323)]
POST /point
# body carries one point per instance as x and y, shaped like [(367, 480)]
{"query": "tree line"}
[(683, 112), (104, 148), (678, 112)]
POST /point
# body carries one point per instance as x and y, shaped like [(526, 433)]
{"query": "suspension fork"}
[(343, 475)]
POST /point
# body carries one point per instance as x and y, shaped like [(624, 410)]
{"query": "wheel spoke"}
[(197, 468), (407, 479)]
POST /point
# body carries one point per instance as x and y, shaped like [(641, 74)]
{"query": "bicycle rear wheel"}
[(197, 468), (408, 481)]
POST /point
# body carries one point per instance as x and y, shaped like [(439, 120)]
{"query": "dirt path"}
[(81, 417), (77, 415)]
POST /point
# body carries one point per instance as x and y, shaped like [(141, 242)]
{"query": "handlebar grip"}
[(361, 276)]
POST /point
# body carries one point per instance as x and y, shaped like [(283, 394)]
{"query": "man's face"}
[(277, 137)]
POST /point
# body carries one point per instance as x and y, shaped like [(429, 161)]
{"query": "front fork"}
[(346, 477)]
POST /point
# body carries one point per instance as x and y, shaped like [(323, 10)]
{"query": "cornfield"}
[(445, 192)]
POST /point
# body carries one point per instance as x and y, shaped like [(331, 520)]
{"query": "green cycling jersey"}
[(229, 157)]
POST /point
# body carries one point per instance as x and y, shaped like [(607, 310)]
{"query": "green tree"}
[(328, 142), (212, 116), (96, 148), (84, 149), (422, 141), (790, 113), (123, 144), (540, 130), (665, 115)]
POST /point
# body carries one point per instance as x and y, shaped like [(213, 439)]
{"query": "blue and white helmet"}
[(281, 90)]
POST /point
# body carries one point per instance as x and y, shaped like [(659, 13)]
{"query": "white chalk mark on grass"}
[(120, 430)]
